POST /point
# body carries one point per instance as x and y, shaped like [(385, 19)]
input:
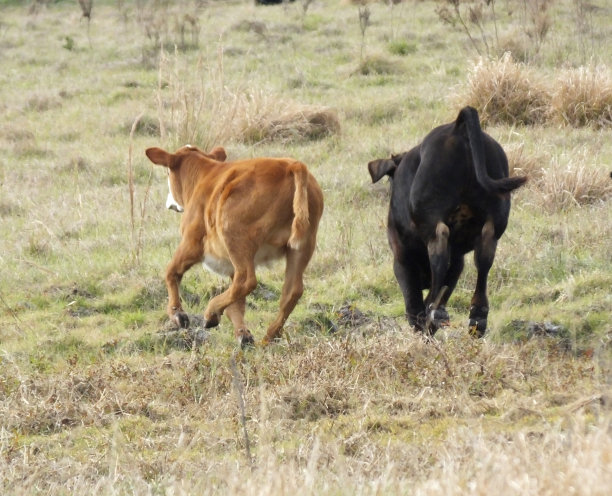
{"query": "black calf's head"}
[(384, 166)]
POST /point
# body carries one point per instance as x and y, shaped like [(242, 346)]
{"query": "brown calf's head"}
[(182, 166)]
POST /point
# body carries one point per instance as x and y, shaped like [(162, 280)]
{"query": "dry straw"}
[(562, 181), (583, 97), (572, 180), (505, 91), (205, 111), (521, 162), (262, 116)]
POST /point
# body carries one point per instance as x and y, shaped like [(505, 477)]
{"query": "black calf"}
[(449, 195)]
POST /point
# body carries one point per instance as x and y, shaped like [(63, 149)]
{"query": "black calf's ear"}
[(379, 168)]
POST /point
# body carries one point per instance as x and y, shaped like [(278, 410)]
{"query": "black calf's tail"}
[(469, 117)]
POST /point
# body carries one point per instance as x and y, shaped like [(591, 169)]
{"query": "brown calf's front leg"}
[(187, 254)]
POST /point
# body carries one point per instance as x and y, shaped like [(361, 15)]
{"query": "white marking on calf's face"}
[(171, 203)]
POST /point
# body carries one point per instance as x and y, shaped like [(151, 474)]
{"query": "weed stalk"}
[(239, 388)]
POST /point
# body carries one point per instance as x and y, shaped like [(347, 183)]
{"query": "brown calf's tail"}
[(300, 205)]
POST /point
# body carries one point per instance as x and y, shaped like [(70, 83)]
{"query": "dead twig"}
[(13, 314), (597, 398), (131, 176), (238, 386)]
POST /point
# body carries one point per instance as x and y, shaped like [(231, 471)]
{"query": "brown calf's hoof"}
[(181, 319), (268, 341), (213, 321), (246, 340)]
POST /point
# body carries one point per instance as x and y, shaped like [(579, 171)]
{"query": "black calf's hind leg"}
[(437, 315), (410, 283), (484, 254), (439, 258), (408, 275)]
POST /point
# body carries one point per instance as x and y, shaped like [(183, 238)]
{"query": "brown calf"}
[(238, 215)]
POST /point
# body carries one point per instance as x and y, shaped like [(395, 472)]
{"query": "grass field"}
[(100, 395)]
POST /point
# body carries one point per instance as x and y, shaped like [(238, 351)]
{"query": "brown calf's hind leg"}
[(293, 287), (243, 282), (484, 254), (235, 313), (187, 254)]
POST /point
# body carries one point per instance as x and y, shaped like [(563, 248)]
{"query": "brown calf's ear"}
[(379, 168), (218, 153), (160, 157)]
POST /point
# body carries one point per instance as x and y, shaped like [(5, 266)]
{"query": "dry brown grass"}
[(261, 116), (583, 97), (573, 180), (504, 91), (559, 182), (365, 2), (208, 112), (374, 409), (521, 162), (377, 64), (468, 465)]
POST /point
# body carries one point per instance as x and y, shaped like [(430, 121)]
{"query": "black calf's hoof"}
[(478, 320), (436, 318), (181, 319), (477, 327), (439, 315), (419, 321)]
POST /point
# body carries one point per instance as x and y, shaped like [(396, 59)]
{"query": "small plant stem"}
[(238, 387), (13, 314), (131, 179), (466, 29)]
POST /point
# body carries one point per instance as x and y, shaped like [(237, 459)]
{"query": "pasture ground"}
[(98, 394)]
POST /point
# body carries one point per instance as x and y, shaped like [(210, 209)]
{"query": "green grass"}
[(98, 393)]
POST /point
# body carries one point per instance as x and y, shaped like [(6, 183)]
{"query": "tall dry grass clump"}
[(508, 92), (573, 181), (560, 182), (583, 97), (262, 116), (204, 110), (520, 162), (505, 91), (188, 97)]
